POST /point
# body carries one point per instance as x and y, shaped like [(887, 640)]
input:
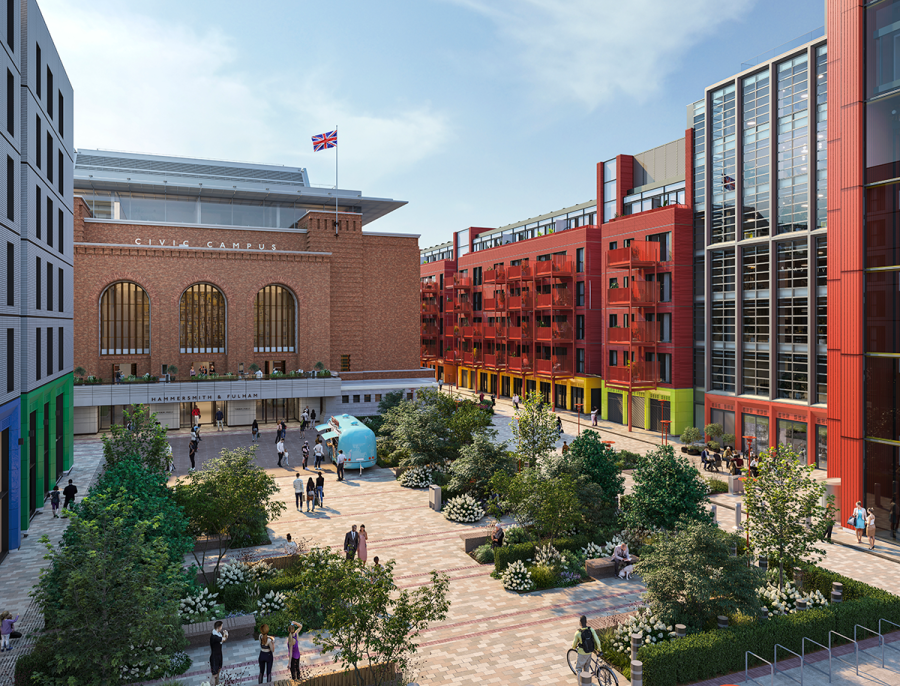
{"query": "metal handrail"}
[(747, 676), (803, 650), (875, 633), (783, 671), (831, 654), (883, 642)]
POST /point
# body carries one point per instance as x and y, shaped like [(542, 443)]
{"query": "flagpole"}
[(336, 183)]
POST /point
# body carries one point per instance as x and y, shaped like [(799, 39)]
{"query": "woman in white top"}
[(870, 527)]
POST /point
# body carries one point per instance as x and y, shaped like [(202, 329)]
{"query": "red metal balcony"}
[(520, 333), (637, 294), (474, 331), (430, 309), (637, 374), (495, 275), (638, 332), (430, 331), (489, 331), (452, 355), (430, 287), (557, 265), (519, 272), (560, 299), (557, 331), (429, 352), (522, 363), (500, 332), (497, 303), (638, 255), (558, 365), (463, 307), (460, 281), (521, 302)]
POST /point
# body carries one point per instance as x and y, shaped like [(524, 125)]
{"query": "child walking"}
[(6, 628)]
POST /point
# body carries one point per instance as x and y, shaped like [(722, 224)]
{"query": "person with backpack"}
[(586, 642), (54, 501), (305, 452)]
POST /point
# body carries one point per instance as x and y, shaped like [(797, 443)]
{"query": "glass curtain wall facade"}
[(697, 122)]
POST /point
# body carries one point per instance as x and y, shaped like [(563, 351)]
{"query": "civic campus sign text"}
[(202, 397), (159, 242)]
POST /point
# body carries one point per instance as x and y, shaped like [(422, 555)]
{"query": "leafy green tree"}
[(691, 435), (692, 577), (666, 488), (550, 506), (713, 430), (599, 463), (146, 441), (534, 429), (471, 472), (107, 600), (229, 499), (373, 624), (389, 401), (785, 517), (467, 421)]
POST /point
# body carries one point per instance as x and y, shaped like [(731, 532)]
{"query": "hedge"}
[(713, 653), (505, 556)]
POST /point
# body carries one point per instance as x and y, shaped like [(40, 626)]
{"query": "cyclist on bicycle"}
[(586, 643)]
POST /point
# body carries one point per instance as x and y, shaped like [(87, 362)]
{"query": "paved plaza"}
[(491, 636)]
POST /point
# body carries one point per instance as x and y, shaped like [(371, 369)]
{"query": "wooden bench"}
[(603, 567), (237, 627)]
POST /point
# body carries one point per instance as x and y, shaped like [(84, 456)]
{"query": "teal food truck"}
[(347, 433)]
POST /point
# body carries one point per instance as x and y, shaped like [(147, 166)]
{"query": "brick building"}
[(203, 265)]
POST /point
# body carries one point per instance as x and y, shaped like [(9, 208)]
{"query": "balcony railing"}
[(638, 254), (495, 275), (520, 364), (495, 304), (638, 332), (473, 331), (560, 299), (636, 294), (452, 356), (557, 265), (519, 272), (520, 333), (558, 365), (429, 352), (430, 287), (489, 331), (430, 331), (557, 331), (521, 302), (638, 374), (460, 281), (463, 307), (430, 309)]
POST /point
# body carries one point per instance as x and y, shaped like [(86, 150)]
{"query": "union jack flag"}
[(324, 141)]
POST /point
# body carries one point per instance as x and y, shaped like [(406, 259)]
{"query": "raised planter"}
[(197, 635), (474, 539), (603, 567)]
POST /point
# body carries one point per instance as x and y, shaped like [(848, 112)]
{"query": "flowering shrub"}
[(517, 578), (262, 570), (592, 551), (153, 665), (547, 555), (645, 623), (196, 608), (784, 602), (234, 573), (514, 535), (569, 578), (463, 508), (416, 477), (272, 601)]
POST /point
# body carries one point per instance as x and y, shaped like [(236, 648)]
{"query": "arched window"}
[(273, 318), (202, 319), (124, 320)]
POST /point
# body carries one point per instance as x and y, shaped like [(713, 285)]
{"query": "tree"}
[(692, 576), (713, 430), (550, 506), (534, 429), (471, 472), (375, 625), (390, 400), (229, 499), (108, 600), (599, 463), (691, 435), (666, 488), (785, 517), (145, 441)]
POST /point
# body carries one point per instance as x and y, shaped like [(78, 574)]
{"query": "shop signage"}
[(202, 397), (160, 243)]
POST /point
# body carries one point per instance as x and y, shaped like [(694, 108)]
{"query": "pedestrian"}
[(254, 431), (220, 418), (704, 458), (893, 514), (298, 492), (69, 494), (858, 521), (594, 417), (170, 458), (830, 512), (559, 425), (284, 429), (481, 398), (310, 495), (320, 489), (565, 448), (870, 527), (287, 461), (441, 386), (195, 433), (363, 552), (515, 400), (304, 451), (754, 465), (586, 642), (192, 453), (195, 414), (216, 639), (280, 448), (304, 420), (193, 373), (351, 542), (493, 401), (319, 452), (212, 367), (54, 501), (340, 465), (312, 415), (7, 624), (375, 561), (266, 653), (293, 646)]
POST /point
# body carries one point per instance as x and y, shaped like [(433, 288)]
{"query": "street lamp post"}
[(666, 423), (579, 407)]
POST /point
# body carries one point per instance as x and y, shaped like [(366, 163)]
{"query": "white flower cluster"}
[(516, 577), (234, 573), (463, 508), (416, 477), (262, 570), (592, 551), (784, 602), (616, 540), (272, 601), (645, 623), (152, 661), (547, 555), (199, 604)]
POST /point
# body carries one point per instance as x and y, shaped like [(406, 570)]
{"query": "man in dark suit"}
[(351, 542)]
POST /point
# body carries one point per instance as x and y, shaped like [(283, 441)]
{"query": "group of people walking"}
[(266, 658), (313, 492)]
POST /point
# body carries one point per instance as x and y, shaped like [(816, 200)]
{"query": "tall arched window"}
[(124, 320), (273, 318), (202, 319)]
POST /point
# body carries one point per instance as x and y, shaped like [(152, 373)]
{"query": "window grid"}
[(723, 370), (822, 262), (793, 145), (699, 368), (792, 264), (755, 316), (723, 321), (822, 137), (202, 319), (724, 164), (345, 363), (793, 377), (723, 274), (274, 320), (793, 322), (125, 320), (756, 133), (822, 379), (756, 268), (699, 322), (755, 373)]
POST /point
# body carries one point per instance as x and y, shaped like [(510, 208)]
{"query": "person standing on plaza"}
[(7, 625), (284, 429), (54, 502), (351, 542), (586, 642), (304, 420), (319, 452), (893, 514), (565, 448), (515, 400), (870, 527), (320, 489), (192, 454), (858, 521), (594, 417), (280, 448), (298, 492), (312, 416), (254, 431), (220, 418), (305, 453), (310, 495), (559, 426), (216, 639), (69, 495), (362, 552), (340, 465), (266, 653), (440, 385), (293, 646), (195, 415)]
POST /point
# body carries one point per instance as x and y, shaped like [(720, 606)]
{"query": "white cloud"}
[(145, 85), (591, 51)]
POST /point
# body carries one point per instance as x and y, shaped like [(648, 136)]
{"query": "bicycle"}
[(597, 666)]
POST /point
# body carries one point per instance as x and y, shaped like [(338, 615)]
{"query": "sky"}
[(476, 112)]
